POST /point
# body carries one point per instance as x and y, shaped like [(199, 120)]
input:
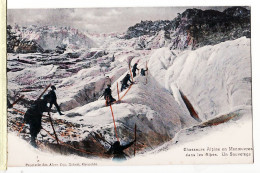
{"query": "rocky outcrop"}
[(194, 28), (47, 39), (17, 44)]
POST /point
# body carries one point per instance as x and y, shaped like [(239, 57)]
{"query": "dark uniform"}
[(52, 98), (124, 82), (33, 117), (118, 151), (108, 95), (143, 72), (134, 69), (9, 105)]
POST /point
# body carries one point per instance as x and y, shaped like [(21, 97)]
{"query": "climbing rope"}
[(114, 122)]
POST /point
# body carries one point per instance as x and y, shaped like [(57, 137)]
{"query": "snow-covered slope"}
[(216, 79)]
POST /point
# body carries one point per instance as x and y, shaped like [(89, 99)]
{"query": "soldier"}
[(143, 71), (51, 96), (33, 117), (134, 69), (108, 80), (118, 150), (113, 58), (108, 95), (124, 82)]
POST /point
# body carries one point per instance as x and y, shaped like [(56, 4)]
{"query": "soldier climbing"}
[(134, 69), (108, 95), (52, 98), (143, 71), (125, 82), (33, 117)]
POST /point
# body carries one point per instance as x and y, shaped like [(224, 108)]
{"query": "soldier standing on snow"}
[(108, 95), (124, 82), (118, 150), (113, 58), (53, 99), (33, 117), (134, 69), (108, 81)]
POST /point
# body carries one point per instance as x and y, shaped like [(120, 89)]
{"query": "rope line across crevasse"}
[(59, 142)]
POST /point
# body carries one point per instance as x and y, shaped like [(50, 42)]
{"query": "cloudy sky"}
[(97, 20)]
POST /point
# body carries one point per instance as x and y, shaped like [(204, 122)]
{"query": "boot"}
[(33, 142)]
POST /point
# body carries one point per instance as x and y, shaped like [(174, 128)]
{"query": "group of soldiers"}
[(117, 149), (33, 115), (108, 93)]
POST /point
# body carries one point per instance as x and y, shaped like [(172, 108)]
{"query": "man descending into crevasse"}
[(118, 150)]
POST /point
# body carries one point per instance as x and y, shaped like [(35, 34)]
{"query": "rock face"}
[(194, 27), (45, 39), (17, 44)]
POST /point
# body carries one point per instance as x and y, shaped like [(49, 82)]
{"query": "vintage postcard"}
[(129, 86)]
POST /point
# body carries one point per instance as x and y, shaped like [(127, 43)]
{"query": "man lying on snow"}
[(118, 150), (33, 117), (108, 95), (124, 82)]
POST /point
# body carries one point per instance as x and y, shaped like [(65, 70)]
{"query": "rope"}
[(131, 73), (126, 92), (21, 129), (114, 122), (16, 110)]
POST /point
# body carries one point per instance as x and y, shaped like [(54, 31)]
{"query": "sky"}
[(95, 20)]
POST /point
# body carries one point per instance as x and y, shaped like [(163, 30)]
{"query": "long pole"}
[(117, 91), (131, 73), (114, 122), (53, 128), (17, 101), (44, 91)]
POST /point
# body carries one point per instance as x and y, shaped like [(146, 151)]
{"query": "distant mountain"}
[(17, 44), (46, 39), (194, 27)]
